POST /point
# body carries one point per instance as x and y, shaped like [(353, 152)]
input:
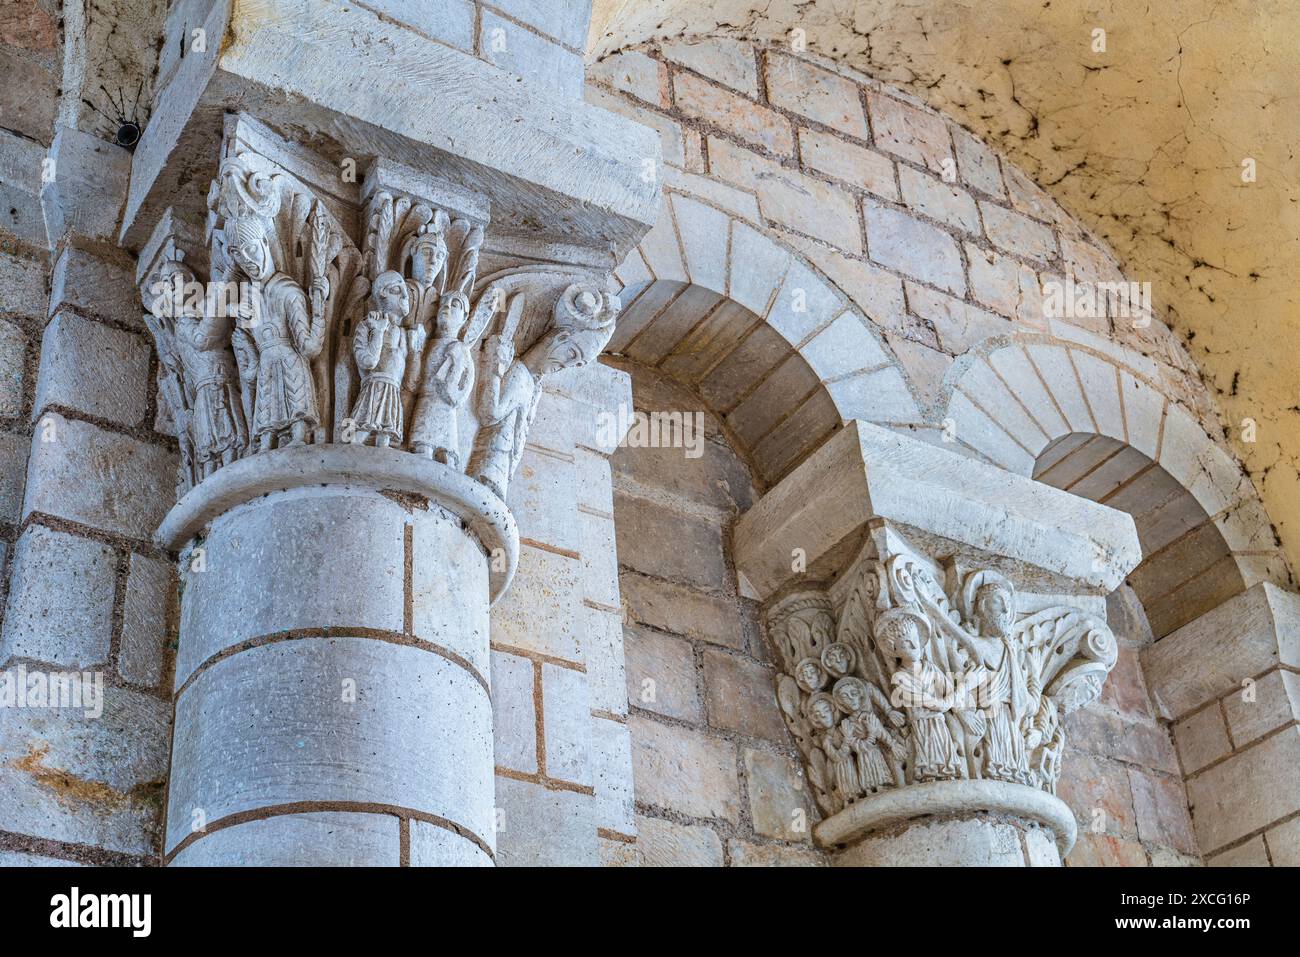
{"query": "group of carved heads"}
[(378, 344), (908, 681)]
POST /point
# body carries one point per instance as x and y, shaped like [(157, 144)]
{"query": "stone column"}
[(348, 431), (934, 618)]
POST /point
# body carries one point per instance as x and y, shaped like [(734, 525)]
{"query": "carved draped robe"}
[(500, 442), (1003, 697), (934, 755), (381, 356), (216, 420), (286, 392)]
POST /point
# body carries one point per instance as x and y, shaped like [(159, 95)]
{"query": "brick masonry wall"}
[(942, 246), (717, 778)]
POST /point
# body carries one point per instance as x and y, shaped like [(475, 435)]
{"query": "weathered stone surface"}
[(661, 674), (971, 843), (684, 771), (740, 696), (447, 565), (98, 478), (13, 475), (854, 164), (927, 195), (1273, 701), (611, 758), (1201, 738), (322, 839), (67, 776), (28, 102), (795, 84), (79, 361), (542, 828), (1018, 234), (1284, 843), (661, 542), (908, 132), (514, 717), (539, 612), (1223, 810), (1102, 850), (13, 369), (1099, 793), (566, 718), (666, 844), (1251, 853), (730, 62), (745, 854), (538, 61), (918, 249), (778, 803), (22, 285), (681, 610), (1160, 805), (60, 607), (277, 725), (150, 594), (743, 118), (273, 542), (434, 846)]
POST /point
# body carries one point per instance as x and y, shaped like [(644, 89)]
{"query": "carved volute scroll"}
[(930, 674), (390, 340)]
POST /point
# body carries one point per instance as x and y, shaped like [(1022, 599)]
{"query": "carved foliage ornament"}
[(382, 345), (911, 683)]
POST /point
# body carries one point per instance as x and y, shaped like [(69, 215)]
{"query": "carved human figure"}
[(204, 367), (879, 752), (924, 691), (822, 715), (380, 346), (810, 675), (838, 659), (280, 333), (447, 382), (1001, 695), (583, 322)]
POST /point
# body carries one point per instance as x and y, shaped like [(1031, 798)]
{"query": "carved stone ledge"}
[(952, 798), (385, 470)]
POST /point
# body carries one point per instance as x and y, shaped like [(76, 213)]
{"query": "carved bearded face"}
[(993, 611)]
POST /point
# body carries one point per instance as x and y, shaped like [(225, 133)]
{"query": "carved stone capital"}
[(385, 316)]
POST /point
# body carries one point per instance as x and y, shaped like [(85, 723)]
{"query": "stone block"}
[(666, 844), (728, 61), (1284, 843), (275, 725), (102, 479), (914, 134), (1099, 793), (1136, 742), (94, 369), (543, 497), (434, 846), (534, 59), (665, 543), (85, 196), (740, 696), (60, 607), (876, 292), (899, 241), (95, 286), (741, 117), (661, 674), (1201, 738), (23, 289), (69, 777), (602, 649), (150, 593), (1252, 853), (539, 612), (746, 854), (446, 565), (599, 559), (13, 369), (1247, 791), (634, 73), (612, 775), (1273, 701), (30, 96), (1018, 234), (1160, 805), (565, 20), (958, 325), (542, 828), (20, 189), (778, 802), (13, 474), (566, 719), (797, 85), (452, 21), (319, 839), (931, 197), (684, 771), (514, 713), (254, 552), (977, 163), (681, 610), (1103, 850), (1247, 635), (1006, 286), (949, 843)]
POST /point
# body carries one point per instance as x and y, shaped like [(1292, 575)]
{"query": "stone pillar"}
[(934, 619), (349, 426), (1228, 681)]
